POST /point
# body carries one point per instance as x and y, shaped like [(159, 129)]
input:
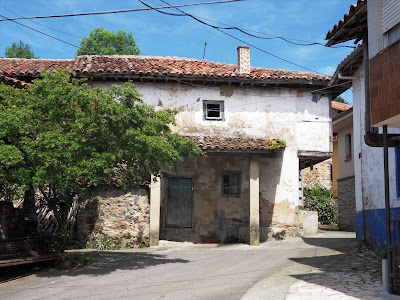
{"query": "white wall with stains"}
[(368, 161), (249, 111), (256, 112)]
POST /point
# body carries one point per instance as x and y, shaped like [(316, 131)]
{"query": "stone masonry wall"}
[(116, 215), (346, 203), (319, 176)]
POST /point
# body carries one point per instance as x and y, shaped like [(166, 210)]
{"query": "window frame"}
[(225, 190), (221, 110), (348, 147)]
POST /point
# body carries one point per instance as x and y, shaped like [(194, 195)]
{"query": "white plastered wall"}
[(251, 112), (369, 176)]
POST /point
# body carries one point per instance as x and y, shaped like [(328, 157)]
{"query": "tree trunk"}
[(64, 211), (29, 207)]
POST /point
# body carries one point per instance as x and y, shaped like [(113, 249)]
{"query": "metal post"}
[(387, 204)]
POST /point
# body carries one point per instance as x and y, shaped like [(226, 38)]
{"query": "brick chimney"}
[(244, 59)]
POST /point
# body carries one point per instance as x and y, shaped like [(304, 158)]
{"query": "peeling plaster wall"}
[(249, 112), (220, 216)]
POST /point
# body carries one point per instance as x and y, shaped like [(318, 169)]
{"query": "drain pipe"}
[(340, 76)]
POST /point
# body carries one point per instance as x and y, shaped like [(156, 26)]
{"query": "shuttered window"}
[(390, 14)]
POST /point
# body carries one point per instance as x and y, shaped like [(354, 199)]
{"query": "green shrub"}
[(320, 199), (73, 261), (57, 242), (103, 242)]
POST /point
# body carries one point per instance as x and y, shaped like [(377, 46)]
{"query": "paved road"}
[(187, 271)]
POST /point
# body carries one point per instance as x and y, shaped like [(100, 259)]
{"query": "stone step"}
[(179, 235)]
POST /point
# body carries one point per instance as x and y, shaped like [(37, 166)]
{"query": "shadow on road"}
[(105, 262), (344, 245), (343, 269)]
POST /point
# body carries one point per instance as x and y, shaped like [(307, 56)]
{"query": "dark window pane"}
[(231, 184), (213, 110)]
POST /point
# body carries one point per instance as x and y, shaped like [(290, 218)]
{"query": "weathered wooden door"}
[(180, 202)]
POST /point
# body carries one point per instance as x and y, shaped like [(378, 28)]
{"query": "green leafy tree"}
[(20, 50), (64, 138), (341, 100), (101, 41)]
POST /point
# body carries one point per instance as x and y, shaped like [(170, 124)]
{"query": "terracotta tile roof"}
[(13, 81), (343, 113), (32, 67), (214, 143), (154, 66), (359, 8), (340, 106)]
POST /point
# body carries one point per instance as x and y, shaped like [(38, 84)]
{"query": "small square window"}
[(213, 110), (231, 183)]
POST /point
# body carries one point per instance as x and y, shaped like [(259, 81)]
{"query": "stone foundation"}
[(346, 203), (117, 215)]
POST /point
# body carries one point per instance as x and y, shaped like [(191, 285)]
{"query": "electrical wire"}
[(41, 32), (236, 38), (247, 32), (41, 24), (117, 11)]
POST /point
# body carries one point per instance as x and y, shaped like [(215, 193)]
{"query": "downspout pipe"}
[(340, 76)]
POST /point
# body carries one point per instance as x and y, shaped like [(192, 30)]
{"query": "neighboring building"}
[(342, 125), (374, 72), (326, 173), (242, 188)]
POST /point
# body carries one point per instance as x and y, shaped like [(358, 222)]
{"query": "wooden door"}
[(180, 203)]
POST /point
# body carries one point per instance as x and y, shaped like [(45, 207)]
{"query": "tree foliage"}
[(320, 199), (64, 138), (341, 100), (101, 41), (20, 50)]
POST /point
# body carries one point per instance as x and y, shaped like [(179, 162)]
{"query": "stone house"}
[(243, 188)]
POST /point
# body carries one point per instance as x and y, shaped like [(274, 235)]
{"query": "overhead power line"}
[(41, 24), (48, 35), (248, 32), (118, 11), (236, 38)]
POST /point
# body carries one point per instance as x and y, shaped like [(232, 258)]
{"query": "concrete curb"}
[(277, 285)]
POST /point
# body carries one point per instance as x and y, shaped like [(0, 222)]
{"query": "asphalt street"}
[(189, 271)]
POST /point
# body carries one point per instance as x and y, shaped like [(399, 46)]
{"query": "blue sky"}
[(163, 35)]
